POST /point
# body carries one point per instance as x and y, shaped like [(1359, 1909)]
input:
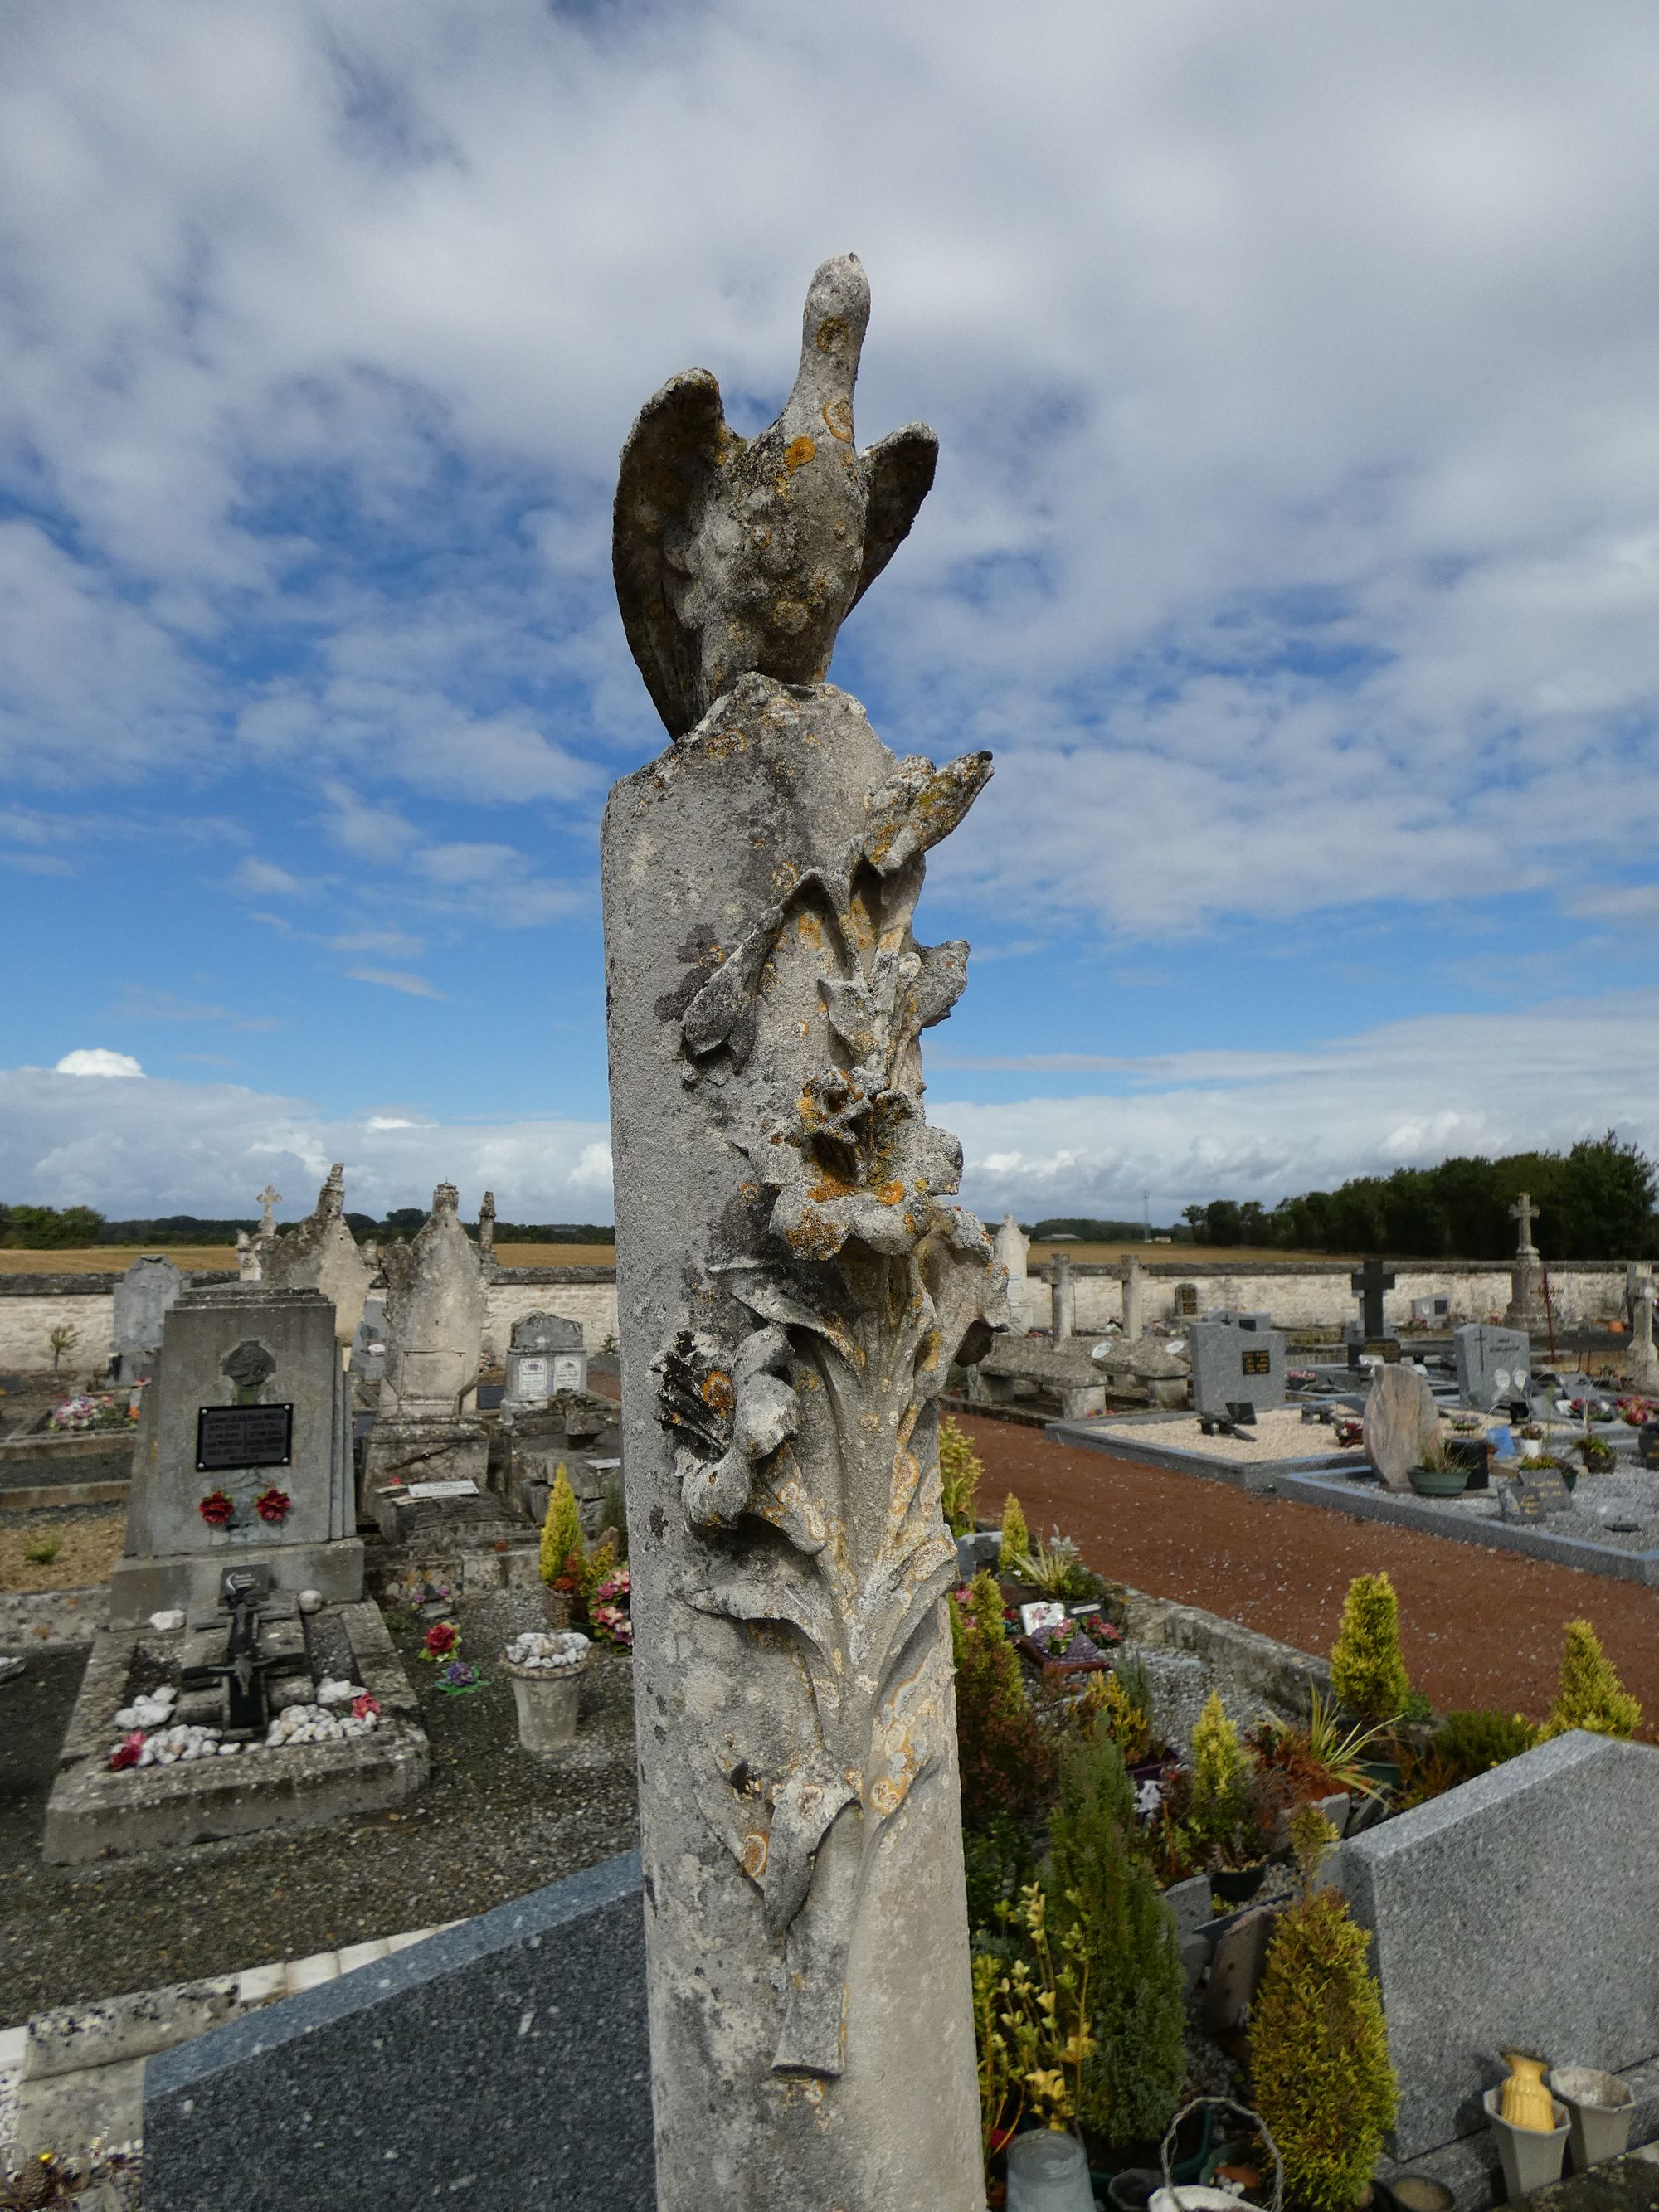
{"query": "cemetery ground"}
[(492, 1824), (1477, 1628)]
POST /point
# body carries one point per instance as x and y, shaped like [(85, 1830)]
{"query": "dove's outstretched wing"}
[(900, 469), (673, 455)]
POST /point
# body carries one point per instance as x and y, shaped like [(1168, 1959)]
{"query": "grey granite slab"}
[(502, 2062), (1519, 1910)]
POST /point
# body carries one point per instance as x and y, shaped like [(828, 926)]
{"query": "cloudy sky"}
[(1294, 548)]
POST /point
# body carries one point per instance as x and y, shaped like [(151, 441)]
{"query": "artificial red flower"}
[(441, 1639), (363, 1707), (125, 1752), (215, 1508), (273, 1504)]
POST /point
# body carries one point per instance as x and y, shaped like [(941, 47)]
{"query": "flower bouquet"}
[(217, 1510), (441, 1640), (608, 1616), (272, 1505)]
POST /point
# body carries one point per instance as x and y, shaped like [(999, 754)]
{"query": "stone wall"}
[(1304, 1294), (1316, 1294)]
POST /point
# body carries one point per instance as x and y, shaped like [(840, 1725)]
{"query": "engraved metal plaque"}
[(243, 1436)]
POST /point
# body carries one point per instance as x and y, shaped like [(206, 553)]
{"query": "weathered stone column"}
[(1062, 1299), (1133, 1322), (1643, 1366), (793, 1284)]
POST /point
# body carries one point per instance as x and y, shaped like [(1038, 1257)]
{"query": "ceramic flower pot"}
[(1237, 1885), (1440, 1481), (1526, 2102), (1599, 2110), (1530, 2158)]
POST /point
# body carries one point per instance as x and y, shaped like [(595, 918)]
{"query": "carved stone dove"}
[(735, 554)]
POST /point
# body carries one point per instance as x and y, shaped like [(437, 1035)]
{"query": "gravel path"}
[(492, 1823), (1480, 1628)]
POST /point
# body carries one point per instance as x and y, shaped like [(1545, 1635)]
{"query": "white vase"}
[(548, 1706)]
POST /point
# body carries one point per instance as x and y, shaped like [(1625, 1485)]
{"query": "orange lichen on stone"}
[(891, 1194), (798, 453), (753, 1856), (717, 1392), (838, 419)]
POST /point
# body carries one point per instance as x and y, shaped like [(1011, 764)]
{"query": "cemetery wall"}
[(1303, 1295), (1298, 1295)]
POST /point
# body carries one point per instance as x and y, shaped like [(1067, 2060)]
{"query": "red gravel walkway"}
[(1479, 1627)]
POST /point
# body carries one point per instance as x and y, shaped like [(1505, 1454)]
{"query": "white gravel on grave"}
[(1282, 1434)]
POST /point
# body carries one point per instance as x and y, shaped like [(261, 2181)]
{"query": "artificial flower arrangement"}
[(1071, 1639), (441, 1640), (608, 1615), (272, 1505), (217, 1510), (83, 1410), (458, 1679)]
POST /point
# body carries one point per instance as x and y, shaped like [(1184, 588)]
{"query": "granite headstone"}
[(1493, 1364), (1521, 1909), (1237, 1360)]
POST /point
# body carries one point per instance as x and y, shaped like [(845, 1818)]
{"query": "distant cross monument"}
[(269, 1197), (1522, 1211), (1368, 1284), (1526, 1308)]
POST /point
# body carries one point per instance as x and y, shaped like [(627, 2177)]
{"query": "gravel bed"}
[(1282, 1434), (492, 1824)]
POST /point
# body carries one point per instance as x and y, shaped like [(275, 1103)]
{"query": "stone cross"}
[(487, 1227), (1062, 1299), (1368, 1284), (1133, 1323), (795, 1281), (269, 1197), (1642, 1365), (1523, 1211)]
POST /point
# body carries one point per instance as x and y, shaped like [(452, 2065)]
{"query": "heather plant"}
[(1319, 2046), (1474, 1742), (1591, 1694), (1367, 1671), (1102, 1897)]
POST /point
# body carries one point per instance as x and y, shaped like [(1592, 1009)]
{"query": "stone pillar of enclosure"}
[(793, 1286), (1062, 1299), (1133, 1322), (1642, 1369)]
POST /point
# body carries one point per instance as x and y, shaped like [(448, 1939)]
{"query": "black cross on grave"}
[(1368, 1284)]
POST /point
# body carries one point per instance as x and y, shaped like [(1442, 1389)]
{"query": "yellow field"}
[(1174, 1256)]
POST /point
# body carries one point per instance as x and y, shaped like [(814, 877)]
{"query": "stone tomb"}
[(243, 1454), (427, 1429), (142, 1298), (1493, 1364), (545, 1359), (1519, 1910), (1237, 1359)]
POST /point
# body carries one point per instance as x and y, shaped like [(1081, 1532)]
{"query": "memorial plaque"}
[(230, 1436), (1256, 1363), (1534, 1497), (533, 1377), (568, 1374)]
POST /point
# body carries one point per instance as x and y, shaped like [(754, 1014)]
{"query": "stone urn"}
[(546, 1671)]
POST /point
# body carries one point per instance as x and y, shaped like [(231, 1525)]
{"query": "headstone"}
[(1368, 1285), (143, 1297), (1400, 1419), (1134, 1320), (1493, 1364), (427, 1428), (1011, 1246), (1062, 1295), (320, 1254), (369, 1344), (1235, 1361), (248, 1406), (1537, 1496), (546, 1357), (1186, 1299), (1432, 1312), (1521, 1909), (552, 2107), (795, 1283), (1527, 1308), (248, 1266)]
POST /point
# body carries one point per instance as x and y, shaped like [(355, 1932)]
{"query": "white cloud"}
[(396, 979), (266, 879), (97, 1059), (166, 1147)]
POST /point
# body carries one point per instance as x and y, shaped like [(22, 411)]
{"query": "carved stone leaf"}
[(802, 1808), (918, 805), (769, 1589)]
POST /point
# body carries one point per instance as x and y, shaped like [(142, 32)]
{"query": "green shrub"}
[(1319, 2047), (1592, 1696), (1005, 1759), (1103, 1895), (1016, 1536), (1218, 1807), (997, 1865), (562, 1528), (1472, 1743), (959, 1470), (1367, 1672)]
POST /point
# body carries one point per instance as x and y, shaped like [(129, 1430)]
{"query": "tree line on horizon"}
[(52, 1229)]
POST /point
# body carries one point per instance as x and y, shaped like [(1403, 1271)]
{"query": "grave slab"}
[(1521, 1909), (502, 2063)]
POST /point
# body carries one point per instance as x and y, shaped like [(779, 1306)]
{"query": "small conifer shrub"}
[(959, 1471), (1472, 1743), (1016, 1537), (562, 1528), (1220, 1805), (1319, 2046), (1367, 1672), (1005, 1758), (1102, 1897), (1592, 1696)]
